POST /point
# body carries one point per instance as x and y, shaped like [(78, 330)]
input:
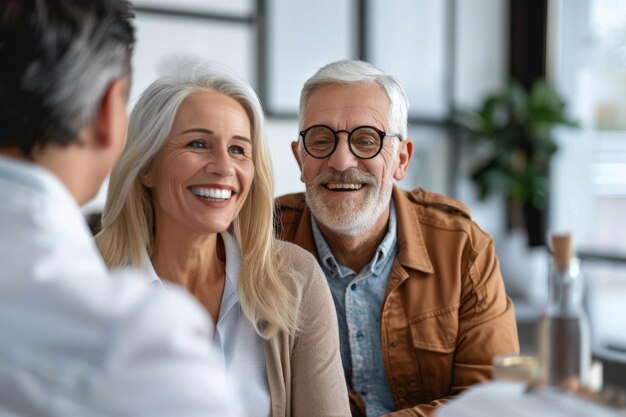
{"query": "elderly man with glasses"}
[(420, 300)]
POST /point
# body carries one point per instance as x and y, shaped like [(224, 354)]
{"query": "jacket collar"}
[(412, 252), (304, 234)]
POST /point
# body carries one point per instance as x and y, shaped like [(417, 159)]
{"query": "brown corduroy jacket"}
[(445, 314)]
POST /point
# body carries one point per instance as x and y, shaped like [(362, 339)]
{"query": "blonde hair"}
[(266, 288)]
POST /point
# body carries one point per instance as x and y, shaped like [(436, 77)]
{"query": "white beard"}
[(349, 216)]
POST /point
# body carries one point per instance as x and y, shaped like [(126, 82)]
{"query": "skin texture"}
[(352, 221), (209, 146)]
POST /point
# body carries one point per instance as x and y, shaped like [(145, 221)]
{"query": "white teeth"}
[(213, 193), (344, 186)]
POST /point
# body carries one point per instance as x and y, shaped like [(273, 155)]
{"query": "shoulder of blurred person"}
[(77, 340), (82, 341)]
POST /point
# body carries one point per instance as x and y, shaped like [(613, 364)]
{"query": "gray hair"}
[(61, 56), (356, 72)]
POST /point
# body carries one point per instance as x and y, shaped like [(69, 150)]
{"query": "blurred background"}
[(451, 56)]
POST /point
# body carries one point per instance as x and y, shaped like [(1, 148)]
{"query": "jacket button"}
[(393, 344)]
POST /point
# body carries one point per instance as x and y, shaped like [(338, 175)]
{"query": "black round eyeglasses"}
[(365, 142)]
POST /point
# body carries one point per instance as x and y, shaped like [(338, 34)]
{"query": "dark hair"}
[(57, 58)]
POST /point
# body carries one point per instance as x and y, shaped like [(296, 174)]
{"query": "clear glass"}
[(514, 367), (564, 339)]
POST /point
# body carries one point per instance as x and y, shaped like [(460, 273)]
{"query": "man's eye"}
[(321, 141), (198, 144), (365, 142)]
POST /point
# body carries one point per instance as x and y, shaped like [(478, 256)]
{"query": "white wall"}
[(481, 49), (280, 134)]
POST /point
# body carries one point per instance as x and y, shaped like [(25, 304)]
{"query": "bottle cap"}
[(562, 249)]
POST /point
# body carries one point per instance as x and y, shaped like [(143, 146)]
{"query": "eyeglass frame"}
[(383, 134)]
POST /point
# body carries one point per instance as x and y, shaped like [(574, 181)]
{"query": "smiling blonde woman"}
[(191, 201)]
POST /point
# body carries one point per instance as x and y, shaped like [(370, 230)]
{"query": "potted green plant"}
[(517, 126)]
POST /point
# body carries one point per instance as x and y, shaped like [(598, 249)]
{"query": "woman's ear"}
[(145, 177)]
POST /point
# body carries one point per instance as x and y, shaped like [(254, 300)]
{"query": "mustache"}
[(350, 175)]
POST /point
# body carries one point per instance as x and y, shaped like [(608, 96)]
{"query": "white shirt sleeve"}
[(78, 341), (161, 362)]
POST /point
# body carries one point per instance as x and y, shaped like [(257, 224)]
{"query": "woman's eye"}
[(198, 144), (237, 150)]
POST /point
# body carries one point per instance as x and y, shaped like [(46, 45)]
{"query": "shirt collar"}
[(389, 241), (327, 260), (333, 268), (233, 258), (412, 251), (148, 271), (233, 266), (34, 178)]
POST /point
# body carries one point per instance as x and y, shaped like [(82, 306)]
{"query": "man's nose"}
[(342, 159)]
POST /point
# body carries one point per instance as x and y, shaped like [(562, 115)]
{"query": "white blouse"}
[(241, 348)]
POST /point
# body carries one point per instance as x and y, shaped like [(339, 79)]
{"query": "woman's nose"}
[(220, 163)]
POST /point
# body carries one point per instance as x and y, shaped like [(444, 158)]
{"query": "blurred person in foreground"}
[(76, 339), (420, 300), (191, 201)]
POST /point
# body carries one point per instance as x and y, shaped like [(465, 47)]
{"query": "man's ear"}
[(112, 120), (296, 154), (404, 157)]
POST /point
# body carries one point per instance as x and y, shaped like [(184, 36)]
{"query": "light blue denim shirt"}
[(358, 299)]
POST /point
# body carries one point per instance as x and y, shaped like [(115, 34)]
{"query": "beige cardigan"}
[(304, 371)]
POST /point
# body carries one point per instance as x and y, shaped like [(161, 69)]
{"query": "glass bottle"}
[(563, 339)]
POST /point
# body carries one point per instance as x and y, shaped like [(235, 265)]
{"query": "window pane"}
[(589, 173), (606, 296), (429, 167), (303, 36), (409, 41), (235, 7), (162, 41)]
